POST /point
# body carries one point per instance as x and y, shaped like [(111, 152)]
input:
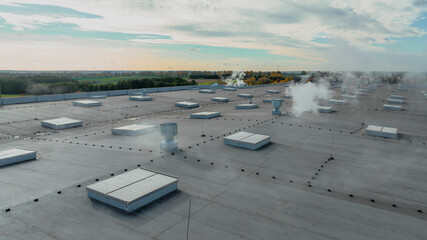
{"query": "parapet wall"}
[(71, 96)]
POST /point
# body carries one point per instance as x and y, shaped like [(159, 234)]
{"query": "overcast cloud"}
[(311, 35)]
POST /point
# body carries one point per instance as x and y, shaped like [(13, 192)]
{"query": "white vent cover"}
[(61, 123), (16, 155), (87, 103), (380, 131), (247, 140), (132, 190), (187, 104), (134, 129), (204, 115)]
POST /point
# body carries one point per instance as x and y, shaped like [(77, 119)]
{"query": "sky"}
[(287, 35)]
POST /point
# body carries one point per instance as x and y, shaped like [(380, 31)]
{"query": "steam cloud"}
[(305, 97), (416, 78), (236, 79)]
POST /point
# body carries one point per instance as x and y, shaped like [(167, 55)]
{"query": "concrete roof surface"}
[(288, 189)]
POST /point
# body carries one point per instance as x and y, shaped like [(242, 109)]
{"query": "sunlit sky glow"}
[(365, 35)]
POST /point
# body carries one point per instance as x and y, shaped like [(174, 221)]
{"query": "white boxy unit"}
[(187, 104), (338, 102), (229, 89), (97, 97), (244, 95), (219, 99), (132, 190), (273, 91), (373, 130), (392, 107), (246, 106), (87, 103), (323, 109), (140, 98), (395, 101), (380, 131), (349, 97), (247, 140), (270, 100), (204, 115), (206, 91), (16, 155), (61, 123), (397, 97), (134, 129)]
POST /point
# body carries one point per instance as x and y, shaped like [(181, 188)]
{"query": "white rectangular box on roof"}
[(273, 91), (247, 140), (246, 106), (379, 131), (349, 97), (87, 103), (397, 97), (206, 91), (338, 102), (373, 130), (388, 132), (16, 155), (270, 100), (132, 190), (229, 89), (97, 96), (140, 98), (392, 107), (324, 109), (186, 104), (134, 129), (244, 95), (219, 99), (61, 123), (204, 115), (395, 101)]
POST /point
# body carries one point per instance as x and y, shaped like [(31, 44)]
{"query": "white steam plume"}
[(305, 97), (236, 79), (416, 78)]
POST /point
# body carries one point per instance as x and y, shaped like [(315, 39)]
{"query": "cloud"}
[(420, 3), (288, 28)]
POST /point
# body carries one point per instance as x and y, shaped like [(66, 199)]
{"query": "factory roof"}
[(373, 188)]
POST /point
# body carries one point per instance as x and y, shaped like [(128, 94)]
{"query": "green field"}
[(103, 80), (207, 83), (13, 95)]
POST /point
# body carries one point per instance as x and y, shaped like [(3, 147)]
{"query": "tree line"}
[(51, 84)]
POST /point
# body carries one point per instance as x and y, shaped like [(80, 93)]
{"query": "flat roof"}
[(373, 188)]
